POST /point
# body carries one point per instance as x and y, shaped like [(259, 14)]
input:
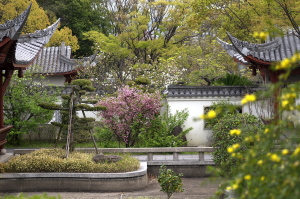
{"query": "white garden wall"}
[(195, 99)]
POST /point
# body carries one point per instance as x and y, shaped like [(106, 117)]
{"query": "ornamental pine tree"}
[(71, 103)]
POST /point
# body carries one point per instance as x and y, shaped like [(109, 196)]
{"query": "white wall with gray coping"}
[(196, 98), (75, 182)]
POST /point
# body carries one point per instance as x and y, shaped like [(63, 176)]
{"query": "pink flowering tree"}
[(130, 113)]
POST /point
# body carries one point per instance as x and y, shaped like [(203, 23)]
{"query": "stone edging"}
[(83, 182)]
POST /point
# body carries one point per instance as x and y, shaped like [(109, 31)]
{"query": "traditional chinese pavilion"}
[(17, 52), (260, 57)]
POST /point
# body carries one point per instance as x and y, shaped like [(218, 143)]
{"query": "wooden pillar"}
[(1, 101), (4, 80)]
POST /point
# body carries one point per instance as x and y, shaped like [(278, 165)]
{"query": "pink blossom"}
[(130, 111)]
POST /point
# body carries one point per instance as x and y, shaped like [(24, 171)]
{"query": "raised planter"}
[(74, 182)]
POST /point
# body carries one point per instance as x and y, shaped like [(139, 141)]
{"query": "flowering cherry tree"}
[(129, 113)]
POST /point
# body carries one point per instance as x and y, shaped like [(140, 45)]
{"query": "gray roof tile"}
[(54, 60), (28, 46), (274, 50)]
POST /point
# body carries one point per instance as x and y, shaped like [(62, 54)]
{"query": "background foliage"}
[(21, 105)]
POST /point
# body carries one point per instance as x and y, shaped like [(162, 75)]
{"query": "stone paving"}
[(195, 188)]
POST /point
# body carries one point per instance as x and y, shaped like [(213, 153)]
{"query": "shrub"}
[(169, 181), (270, 169), (225, 135), (106, 137), (160, 133), (52, 160)]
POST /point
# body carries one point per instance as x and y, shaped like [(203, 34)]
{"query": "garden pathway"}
[(195, 188)]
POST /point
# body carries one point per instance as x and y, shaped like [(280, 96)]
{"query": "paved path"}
[(195, 188)]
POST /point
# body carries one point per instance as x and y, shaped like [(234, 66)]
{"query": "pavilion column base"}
[(3, 133)]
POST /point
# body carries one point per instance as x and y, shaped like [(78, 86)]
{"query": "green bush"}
[(106, 137), (160, 132), (52, 160), (169, 181), (249, 125)]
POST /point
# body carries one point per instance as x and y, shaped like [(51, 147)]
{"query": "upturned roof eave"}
[(28, 46), (12, 28)]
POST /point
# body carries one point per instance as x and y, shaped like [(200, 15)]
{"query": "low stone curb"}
[(77, 182)]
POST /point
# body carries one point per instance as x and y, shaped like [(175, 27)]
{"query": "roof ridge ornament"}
[(44, 33), (12, 28)]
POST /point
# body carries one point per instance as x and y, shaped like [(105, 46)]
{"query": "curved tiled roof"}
[(57, 60), (53, 60), (274, 50), (28, 46), (12, 28), (232, 51)]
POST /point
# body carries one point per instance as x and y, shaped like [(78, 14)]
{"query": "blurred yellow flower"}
[(235, 132), (263, 35), (297, 151), (247, 177), (275, 158), (295, 58), (285, 151), (260, 35), (249, 139), (248, 98), (235, 186), (262, 178), (285, 63), (267, 130), (260, 162), (211, 114), (235, 146), (284, 103), (230, 149), (255, 34)]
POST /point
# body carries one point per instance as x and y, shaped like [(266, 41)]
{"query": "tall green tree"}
[(245, 17), (80, 16), (145, 34), (21, 105)]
